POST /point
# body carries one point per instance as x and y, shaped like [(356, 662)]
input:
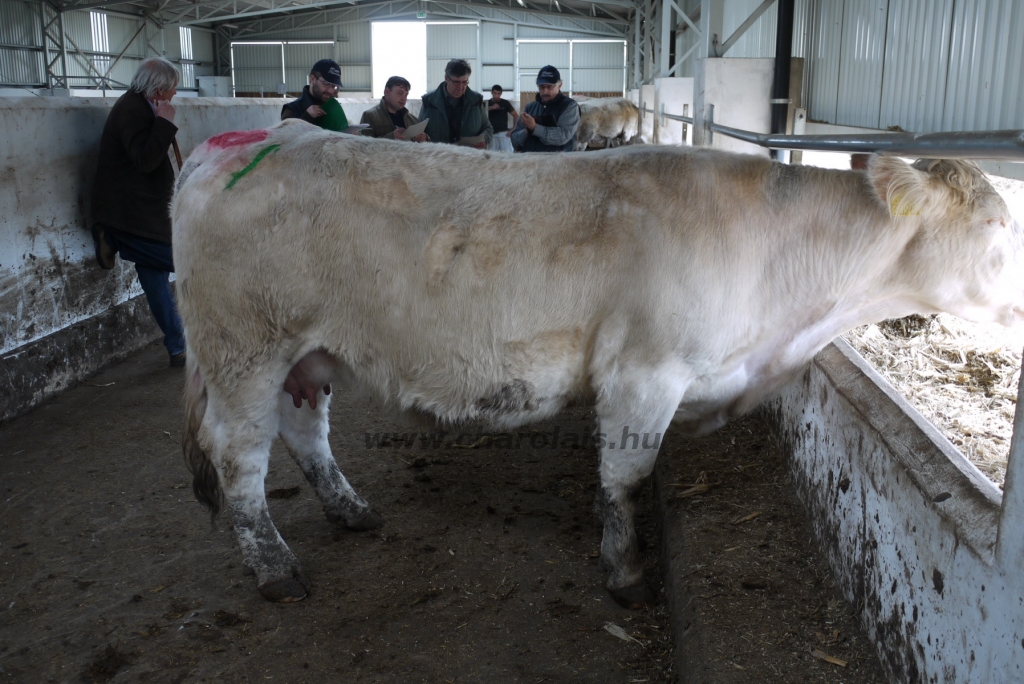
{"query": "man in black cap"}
[(324, 83), (548, 124)]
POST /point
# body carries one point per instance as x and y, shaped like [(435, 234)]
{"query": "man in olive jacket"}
[(132, 192), (455, 111), (390, 118)]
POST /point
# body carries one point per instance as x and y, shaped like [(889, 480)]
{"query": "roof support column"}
[(712, 13)]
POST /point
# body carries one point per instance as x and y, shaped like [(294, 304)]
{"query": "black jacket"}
[(134, 176), (296, 109)]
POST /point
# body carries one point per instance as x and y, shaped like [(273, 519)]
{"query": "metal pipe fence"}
[(1006, 145)]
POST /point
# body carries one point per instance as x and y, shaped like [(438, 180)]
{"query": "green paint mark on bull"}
[(252, 165)]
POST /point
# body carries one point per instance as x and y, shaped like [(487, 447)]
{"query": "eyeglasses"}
[(460, 82), (326, 85)]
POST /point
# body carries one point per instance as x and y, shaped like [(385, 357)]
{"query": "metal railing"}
[(1008, 145)]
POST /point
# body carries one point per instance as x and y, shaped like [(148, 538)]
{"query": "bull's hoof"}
[(287, 590), (364, 520), (636, 597)]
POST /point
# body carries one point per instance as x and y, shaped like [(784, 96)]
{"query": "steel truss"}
[(436, 8)]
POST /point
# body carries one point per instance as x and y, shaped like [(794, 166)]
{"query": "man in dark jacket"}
[(324, 83), (132, 192), (455, 111), (549, 123)]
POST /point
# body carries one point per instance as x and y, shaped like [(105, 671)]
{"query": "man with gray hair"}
[(457, 113), (132, 192)]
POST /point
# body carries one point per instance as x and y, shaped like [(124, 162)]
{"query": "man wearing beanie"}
[(548, 124)]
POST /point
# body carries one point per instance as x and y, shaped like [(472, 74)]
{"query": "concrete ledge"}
[(907, 523), (37, 370)]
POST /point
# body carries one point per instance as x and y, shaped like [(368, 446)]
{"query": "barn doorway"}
[(399, 48)]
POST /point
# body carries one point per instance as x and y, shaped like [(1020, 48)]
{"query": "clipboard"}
[(471, 140), (416, 129)]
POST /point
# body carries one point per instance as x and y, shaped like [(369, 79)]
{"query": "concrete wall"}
[(739, 89), (908, 524), (673, 96), (61, 316)]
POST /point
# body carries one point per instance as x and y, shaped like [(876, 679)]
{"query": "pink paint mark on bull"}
[(234, 138)]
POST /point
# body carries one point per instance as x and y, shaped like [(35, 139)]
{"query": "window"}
[(399, 48), (100, 41), (188, 67)]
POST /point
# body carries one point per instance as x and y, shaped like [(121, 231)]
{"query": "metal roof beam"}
[(460, 10)]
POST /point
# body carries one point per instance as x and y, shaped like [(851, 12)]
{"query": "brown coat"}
[(380, 122), (134, 177)]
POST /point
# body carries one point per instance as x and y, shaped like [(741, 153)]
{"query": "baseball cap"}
[(329, 71), (548, 74)]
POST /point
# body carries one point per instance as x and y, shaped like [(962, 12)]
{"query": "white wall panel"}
[(533, 56), (861, 64), (984, 89), (354, 44), (450, 41), (505, 76), (916, 57), (19, 25), (21, 67), (597, 67), (202, 46), (496, 41), (257, 68), (822, 66)]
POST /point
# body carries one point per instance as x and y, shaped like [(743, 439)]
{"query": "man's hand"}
[(480, 145), (399, 134), (164, 110), (494, 106), (422, 137), (315, 112), (528, 122)]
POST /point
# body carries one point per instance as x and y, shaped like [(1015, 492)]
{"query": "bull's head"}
[(967, 253)]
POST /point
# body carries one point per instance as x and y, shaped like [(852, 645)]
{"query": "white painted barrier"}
[(908, 524)]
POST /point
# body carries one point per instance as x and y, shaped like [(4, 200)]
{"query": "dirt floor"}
[(755, 600), (485, 569)]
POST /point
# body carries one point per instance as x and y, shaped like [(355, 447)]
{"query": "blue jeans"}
[(154, 262)]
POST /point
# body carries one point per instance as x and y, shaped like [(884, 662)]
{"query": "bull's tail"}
[(205, 483)]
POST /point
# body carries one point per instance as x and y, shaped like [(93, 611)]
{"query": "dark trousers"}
[(154, 262)]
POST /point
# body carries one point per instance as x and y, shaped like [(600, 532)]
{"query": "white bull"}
[(659, 283), (608, 122)]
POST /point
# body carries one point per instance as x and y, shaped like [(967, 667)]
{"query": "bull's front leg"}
[(633, 421), (304, 432)]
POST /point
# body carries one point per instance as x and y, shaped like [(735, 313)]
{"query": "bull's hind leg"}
[(633, 418), (304, 432), (238, 436)]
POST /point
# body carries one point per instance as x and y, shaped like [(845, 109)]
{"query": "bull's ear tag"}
[(900, 206), (252, 165)]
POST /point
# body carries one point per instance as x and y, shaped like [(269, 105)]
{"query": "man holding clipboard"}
[(548, 124), (390, 119)]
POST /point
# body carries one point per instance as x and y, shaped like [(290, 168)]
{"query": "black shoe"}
[(178, 360), (104, 252)]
